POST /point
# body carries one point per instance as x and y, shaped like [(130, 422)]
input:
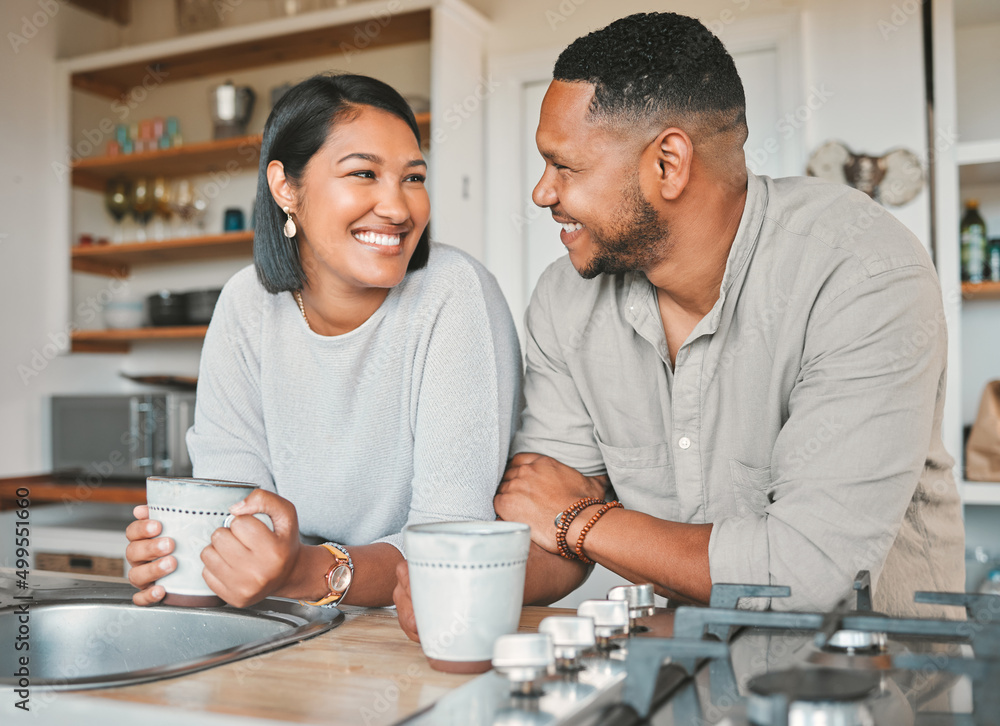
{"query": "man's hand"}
[(535, 488), (404, 602), (247, 562)]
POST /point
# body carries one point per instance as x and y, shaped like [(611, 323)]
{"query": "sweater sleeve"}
[(228, 440), (465, 408)]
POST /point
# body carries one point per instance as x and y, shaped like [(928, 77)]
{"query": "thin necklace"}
[(297, 294)]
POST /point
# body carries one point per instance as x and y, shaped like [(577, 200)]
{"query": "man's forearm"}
[(550, 577), (670, 555)]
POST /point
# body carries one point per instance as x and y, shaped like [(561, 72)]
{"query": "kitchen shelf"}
[(977, 152), (979, 173), (47, 489), (231, 50), (981, 290), (981, 492), (449, 33), (117, 260), (232, 155), (978, 162), (119, 341)]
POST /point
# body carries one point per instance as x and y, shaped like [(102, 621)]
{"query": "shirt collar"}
[(643, 311), (739, 254)]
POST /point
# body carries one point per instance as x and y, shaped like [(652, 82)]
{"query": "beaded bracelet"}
[(586, 528), (563, 520)]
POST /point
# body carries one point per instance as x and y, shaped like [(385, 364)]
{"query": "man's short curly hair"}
[(653, 67)]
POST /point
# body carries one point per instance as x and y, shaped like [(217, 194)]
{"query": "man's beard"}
[(638, 241)]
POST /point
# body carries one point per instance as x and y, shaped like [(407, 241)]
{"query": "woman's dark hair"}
[(297, 128)]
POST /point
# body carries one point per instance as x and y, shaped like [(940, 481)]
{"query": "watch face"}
[(340, 579)]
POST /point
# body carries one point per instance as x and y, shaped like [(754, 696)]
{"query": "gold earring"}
[(289, 223)]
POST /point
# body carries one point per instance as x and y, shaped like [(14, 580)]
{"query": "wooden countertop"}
[(365, 671)]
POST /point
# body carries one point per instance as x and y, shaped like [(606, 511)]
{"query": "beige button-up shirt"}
[(802, 417)]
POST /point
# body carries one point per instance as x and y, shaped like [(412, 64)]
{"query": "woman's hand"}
[(535, 488), (147, 556), (247, 562), (404, 602)]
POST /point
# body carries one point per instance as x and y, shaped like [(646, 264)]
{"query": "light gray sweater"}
[(406, 419)]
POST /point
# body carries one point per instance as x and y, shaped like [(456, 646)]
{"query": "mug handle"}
[(259, 515)]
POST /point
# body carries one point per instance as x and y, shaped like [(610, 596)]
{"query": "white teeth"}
[(572, 227), (386, 240)]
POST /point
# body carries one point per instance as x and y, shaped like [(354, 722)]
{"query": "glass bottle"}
[(993, 259), (973, 236), (118, 201), (142, 206)]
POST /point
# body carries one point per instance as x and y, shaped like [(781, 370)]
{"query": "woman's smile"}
[(384, 240)]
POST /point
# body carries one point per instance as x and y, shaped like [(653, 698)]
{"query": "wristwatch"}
[(338, 578)]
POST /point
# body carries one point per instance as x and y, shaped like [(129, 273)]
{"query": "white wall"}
[(877, 104), (868, 57), (526, 25)]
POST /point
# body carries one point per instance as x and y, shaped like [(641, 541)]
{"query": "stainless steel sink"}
[(90, 635)]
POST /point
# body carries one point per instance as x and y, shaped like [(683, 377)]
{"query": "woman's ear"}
[(281, 190), (672, 153)]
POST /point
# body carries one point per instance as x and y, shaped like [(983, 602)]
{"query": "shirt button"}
[(684, 443)]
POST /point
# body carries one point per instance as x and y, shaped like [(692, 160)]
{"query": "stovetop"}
[(733, 667)]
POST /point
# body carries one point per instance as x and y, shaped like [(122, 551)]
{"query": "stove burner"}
[(857, 641), (815, 684), (812, 697)]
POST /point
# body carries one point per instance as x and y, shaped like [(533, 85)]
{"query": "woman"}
[(365, 378)]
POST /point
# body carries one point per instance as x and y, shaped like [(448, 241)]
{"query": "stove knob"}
[(610, 619), (570, 638), (640, 602), (525, 658)]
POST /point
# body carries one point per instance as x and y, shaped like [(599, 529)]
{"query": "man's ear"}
[(672, 152), (281, 190)]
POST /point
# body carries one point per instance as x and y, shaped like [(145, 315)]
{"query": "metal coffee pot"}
[(231, 107)]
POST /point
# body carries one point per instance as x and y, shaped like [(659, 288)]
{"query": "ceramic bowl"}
[(120, 315)]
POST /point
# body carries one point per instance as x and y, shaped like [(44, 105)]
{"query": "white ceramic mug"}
[(467, 585), (190, 510)]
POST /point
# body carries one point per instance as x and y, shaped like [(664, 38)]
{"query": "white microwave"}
[(121, 436)]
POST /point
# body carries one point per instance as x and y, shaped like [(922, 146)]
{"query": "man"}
[(757, 365)]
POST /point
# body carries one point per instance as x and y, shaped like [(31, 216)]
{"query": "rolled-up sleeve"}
[(848, 459)]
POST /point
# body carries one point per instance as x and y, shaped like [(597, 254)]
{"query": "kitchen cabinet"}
[(966, 155), (433, 48)]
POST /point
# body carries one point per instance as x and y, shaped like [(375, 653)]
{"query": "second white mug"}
[(467, 585)]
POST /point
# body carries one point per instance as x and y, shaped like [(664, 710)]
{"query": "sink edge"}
[(312, 621)]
